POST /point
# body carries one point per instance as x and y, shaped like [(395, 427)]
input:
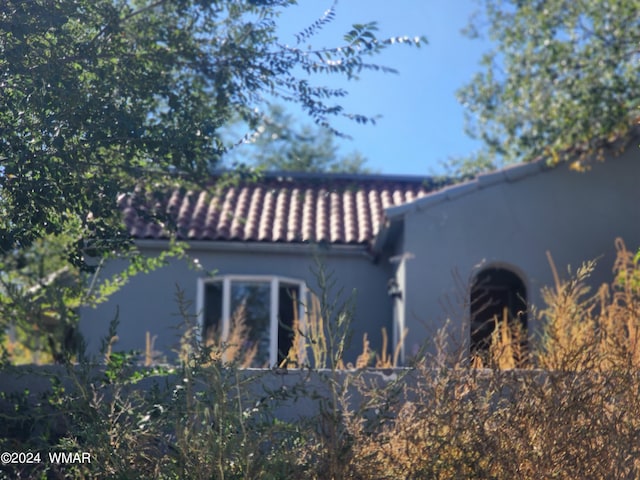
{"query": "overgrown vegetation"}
[(280, 144), (104, 100), (571, 411), (561, 79)]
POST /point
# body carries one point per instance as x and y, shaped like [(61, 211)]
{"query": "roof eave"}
[(328, 249), (389, 233)]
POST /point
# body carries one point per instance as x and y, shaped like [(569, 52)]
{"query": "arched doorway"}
[(493, 291)]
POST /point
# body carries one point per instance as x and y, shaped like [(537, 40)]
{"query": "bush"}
[(571, 411)]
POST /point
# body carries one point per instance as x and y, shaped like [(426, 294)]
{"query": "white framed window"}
[(269, 303)]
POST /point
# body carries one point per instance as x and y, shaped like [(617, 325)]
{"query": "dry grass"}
[(311, 341), (567, 407), (236, 348)]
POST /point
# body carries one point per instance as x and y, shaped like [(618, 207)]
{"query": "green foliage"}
[(100, 99), (461, 169), (278, 144), (99, 96), (563, 75), (580, 418), (40, 292), (137, 264)]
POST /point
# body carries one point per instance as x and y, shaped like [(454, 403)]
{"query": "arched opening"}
[(494, 293)]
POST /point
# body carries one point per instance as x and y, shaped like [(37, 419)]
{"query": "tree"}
[(279, 144), (105, 98), (464, 168), (99, 96), (39, 294), (563, 75)]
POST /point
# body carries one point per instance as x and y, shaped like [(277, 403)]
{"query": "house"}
[(415, 253), (260, 242)]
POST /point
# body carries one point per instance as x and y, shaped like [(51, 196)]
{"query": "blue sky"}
[(422, 122)]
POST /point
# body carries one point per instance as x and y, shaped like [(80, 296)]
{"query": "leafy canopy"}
[(280, 144), (98, 96), (563, 74), (104, 98)]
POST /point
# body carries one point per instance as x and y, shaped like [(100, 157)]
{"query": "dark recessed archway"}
[(493, 290)]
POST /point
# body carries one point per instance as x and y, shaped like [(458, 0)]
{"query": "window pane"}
[(253, 298), (212, 311), (494, 292), (288, 303)]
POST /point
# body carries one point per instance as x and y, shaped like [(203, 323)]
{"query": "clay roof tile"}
[(285, 207)]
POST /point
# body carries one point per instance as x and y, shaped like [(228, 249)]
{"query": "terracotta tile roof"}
[(282, 207)]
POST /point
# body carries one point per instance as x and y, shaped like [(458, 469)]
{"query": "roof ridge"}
[(320, 176), (508, 173)]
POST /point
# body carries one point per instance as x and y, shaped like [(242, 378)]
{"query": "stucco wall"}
[(574, 216), (148, 302)]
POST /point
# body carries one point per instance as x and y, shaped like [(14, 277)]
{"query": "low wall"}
[(290, 395)]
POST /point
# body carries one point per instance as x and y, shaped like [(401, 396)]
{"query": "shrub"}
[(571, 409)]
